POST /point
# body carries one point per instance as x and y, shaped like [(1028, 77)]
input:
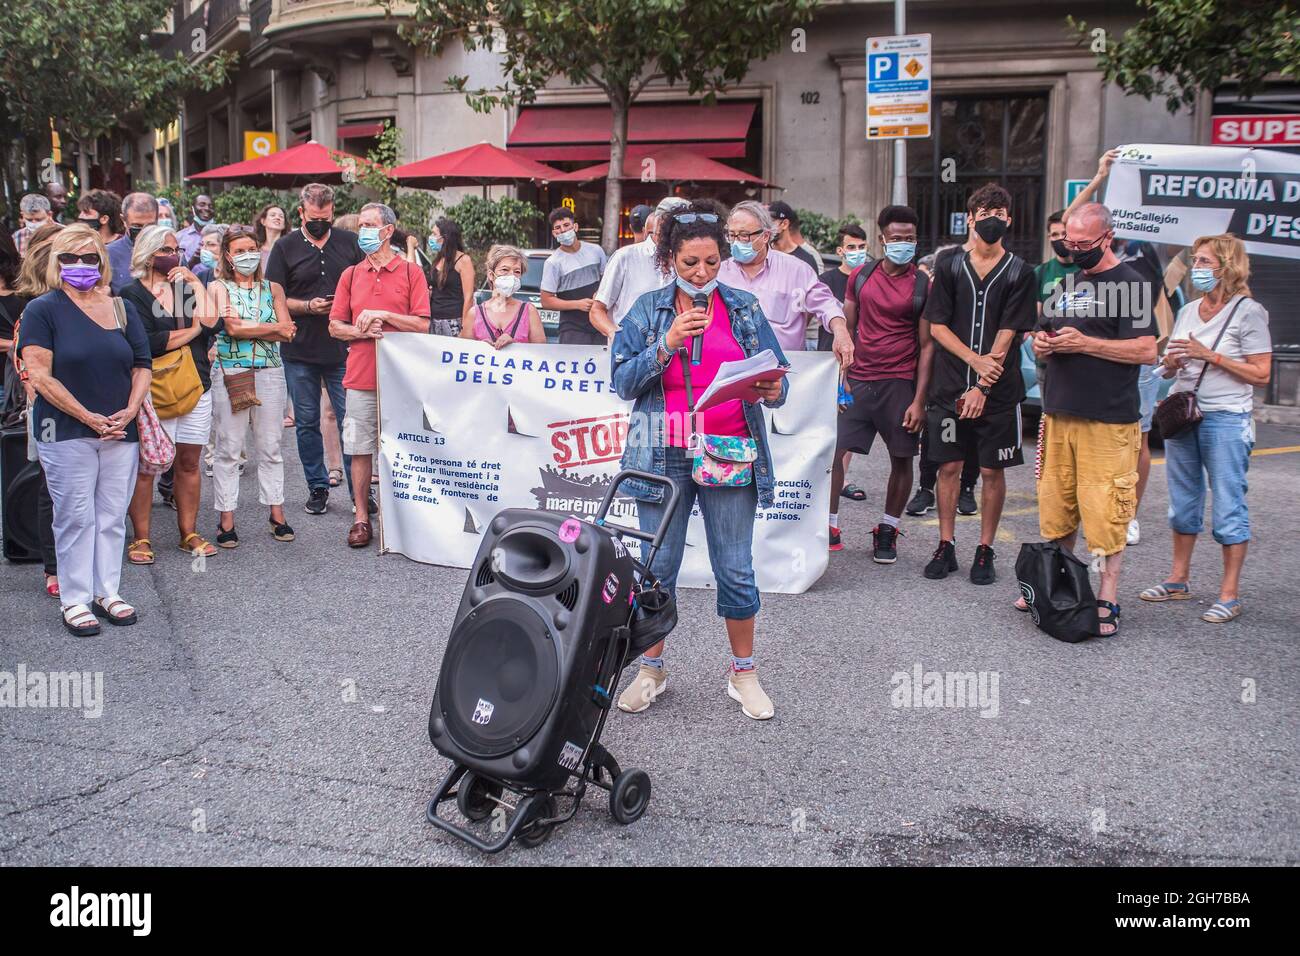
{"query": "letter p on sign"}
[(884, 66)]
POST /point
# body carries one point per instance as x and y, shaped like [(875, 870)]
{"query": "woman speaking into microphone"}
[(723, 460)]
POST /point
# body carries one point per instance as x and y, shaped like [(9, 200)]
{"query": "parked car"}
[(530, 290)]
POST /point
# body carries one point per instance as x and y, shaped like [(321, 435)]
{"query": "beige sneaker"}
[(648, 684), (745, 688)]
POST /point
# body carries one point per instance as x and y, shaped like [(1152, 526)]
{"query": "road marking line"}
[(1284, 450)]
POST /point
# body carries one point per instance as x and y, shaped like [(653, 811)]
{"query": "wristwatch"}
[(984, 389)]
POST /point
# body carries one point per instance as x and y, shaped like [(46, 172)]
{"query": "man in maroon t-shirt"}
[(890, 371)]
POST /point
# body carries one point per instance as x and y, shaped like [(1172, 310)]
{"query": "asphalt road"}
[(228, 737)]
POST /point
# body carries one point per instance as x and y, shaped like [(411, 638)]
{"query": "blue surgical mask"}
[(435, 246), (855, 257), (567, 238), (743, 252), (207, 258), (166, 223), (900, 253), (1204, 279), (368, 240), (693, 290)]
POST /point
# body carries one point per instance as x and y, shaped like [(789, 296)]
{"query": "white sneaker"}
[(648, 684), (744, 688), (1134, 532)]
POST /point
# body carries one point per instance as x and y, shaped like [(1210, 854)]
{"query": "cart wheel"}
[(630, 796), (474, 797), (535, 834)]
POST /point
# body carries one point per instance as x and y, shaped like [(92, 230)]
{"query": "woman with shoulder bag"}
[(87, 357), (253, 320), (1218, 352), (180, 324), (728, 469)]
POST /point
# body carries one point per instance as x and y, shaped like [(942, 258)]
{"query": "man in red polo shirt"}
[(381, 293)]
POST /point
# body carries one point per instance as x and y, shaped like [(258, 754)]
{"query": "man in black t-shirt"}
[(1099, 327), (308, 263), (980, 304)]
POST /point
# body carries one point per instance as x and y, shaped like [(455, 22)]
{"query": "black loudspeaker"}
[(520, 692), (20, 482)]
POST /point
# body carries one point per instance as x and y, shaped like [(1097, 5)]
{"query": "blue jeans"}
[(1219, 447), (728, 528), (304, 381), (1148, 390)]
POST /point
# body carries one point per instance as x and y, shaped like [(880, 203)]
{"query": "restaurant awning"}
[(295, 166), (479, 165), (360, 131), (581, 133), (668, 164)]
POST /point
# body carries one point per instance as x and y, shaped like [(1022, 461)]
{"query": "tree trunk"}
[(83, 167), (618, 104)]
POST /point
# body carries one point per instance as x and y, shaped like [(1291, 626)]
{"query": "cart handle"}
[(654, 539)]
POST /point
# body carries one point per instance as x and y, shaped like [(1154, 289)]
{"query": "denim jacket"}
[(638, 377)]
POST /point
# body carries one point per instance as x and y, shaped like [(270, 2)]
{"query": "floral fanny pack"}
[(719, 460)]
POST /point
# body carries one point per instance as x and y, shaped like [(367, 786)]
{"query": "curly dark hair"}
[(673, 232), (990, 196), (103, 202)]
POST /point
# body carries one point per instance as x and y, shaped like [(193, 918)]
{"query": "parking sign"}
[(898, 87)]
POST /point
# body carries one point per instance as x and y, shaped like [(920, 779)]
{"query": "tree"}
[(88, 66), (1180, 47), (618, 46)]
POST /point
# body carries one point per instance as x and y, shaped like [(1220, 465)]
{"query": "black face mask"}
[(134, 231), (317, 228), (92, 223), (1089, 258), (991, 229), (1058, 246)]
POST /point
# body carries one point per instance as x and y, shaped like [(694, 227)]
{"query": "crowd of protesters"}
[(235, 332)]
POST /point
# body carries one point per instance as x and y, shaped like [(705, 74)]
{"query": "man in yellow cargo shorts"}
[(1098, 327)]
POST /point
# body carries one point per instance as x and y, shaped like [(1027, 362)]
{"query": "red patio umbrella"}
[(308, 162), (479, 165), (672, 164)]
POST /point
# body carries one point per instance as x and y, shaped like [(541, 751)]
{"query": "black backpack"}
[(1013, 270), (1055, 585), (918, 294)]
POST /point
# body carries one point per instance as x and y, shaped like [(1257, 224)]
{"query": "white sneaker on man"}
[(743, 686), (648, 684), (1134, 533)]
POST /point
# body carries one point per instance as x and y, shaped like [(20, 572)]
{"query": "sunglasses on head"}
[(686, 218), (85, 258)]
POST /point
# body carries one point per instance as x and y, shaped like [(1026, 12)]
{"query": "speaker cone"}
[(499, 678)]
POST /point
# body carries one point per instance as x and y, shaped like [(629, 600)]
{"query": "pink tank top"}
[(720, 346), (485, 331)]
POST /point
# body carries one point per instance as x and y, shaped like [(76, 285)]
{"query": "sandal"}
[(52, 585), (200, 545), (854, 492), (1021, 604), (79, 621), (227, 538), (1221, 612), (108, 609), (280, 531), (140, 551), (1113, 620), (1169, 591), (336, 477)]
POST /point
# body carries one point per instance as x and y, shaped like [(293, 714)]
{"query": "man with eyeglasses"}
[(1099, 328), (787, 288)]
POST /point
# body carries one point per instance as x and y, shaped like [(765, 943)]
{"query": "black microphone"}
[(699, 301)]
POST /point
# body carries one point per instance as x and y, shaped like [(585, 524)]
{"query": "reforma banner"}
[(467, 430), (1175, 194)]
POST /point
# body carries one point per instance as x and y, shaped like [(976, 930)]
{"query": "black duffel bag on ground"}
[(1055, 585)]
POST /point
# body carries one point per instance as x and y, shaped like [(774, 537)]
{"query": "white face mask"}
[(246, 263), (506, 285)]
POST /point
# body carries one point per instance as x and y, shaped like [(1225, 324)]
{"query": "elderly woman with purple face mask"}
[(88, 359)]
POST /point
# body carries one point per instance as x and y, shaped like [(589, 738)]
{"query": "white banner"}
[(466, 430), (1175, 194)]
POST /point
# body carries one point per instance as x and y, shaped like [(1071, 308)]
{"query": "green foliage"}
[(1180, 47), (415, 209), (90, 64), (484, 222), (384, 155), (242, 203), (822, 230)]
